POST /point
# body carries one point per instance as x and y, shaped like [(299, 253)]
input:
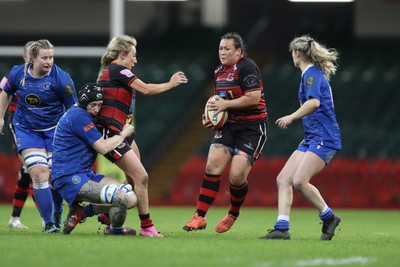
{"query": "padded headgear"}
[(89, 93)]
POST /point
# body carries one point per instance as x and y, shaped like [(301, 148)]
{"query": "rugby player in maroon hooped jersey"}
[(242, 138), (120, 86)]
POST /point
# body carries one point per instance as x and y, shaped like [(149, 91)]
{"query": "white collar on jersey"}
[(309, 66), (29, 71)]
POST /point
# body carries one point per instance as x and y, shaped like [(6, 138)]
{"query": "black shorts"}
[(11, 130), (124, 147), (249, 138)]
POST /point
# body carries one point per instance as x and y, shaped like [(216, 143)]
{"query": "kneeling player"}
[(76, 144)]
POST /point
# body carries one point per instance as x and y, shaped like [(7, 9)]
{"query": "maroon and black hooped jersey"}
[(115, 81), (234, 81), (13, 104)]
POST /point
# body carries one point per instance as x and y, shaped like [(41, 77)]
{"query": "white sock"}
[(325, 209), (283, 218)]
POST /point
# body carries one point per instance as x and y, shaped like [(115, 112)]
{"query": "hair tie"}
[(310, 41)]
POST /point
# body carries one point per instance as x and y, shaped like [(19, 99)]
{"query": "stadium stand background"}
[(172, 141)]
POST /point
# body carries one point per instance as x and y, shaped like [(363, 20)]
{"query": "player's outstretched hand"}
[(178, 78), (284, 122)]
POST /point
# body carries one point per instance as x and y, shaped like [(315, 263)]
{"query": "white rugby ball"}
[(217, 119)]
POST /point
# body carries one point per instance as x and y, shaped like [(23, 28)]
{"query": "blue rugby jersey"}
[(320, 127), (41, 101), (72, 151)]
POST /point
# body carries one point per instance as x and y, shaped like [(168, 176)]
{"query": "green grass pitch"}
[(364, 238)]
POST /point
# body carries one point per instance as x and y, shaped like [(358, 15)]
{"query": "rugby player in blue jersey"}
[(322, 137), (24, 182), (76, 144), (45, 92)]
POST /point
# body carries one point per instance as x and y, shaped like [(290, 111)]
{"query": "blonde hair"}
[(33, 51), (122, 43), (317, 54), (25, 54)]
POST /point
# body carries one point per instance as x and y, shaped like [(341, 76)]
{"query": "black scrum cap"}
[(89, 93)]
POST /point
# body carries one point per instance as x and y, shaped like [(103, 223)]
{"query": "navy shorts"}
[(26, 138), (249, 138), (69, 186)]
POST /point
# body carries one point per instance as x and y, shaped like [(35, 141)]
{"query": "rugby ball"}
[(217, 119)]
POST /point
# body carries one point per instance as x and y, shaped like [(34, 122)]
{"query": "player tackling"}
[(76, 144)]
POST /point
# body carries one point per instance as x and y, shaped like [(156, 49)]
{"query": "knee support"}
[(108, 193), (35, 158), (111, 194), (126, 188), (132, 199)]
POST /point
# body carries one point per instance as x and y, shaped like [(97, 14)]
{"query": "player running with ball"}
[(240, 141)]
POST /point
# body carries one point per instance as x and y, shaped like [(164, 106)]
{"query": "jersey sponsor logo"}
[(68, 90), (32, 100), (251, 80), (222, 94), (126, 72), (310, 81), (88, 127), (76, 179)]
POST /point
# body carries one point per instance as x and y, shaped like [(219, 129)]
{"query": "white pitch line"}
[(330, 262)]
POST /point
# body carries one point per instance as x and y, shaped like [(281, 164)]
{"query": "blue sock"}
[(325, 215), (282, 225), (57, 201), (118, 230), (88, 210), (44, 201)]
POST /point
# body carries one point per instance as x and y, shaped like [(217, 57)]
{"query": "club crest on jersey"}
[(251, 80), (47, 86), (76, 179), (310, 81), (32, 100)]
